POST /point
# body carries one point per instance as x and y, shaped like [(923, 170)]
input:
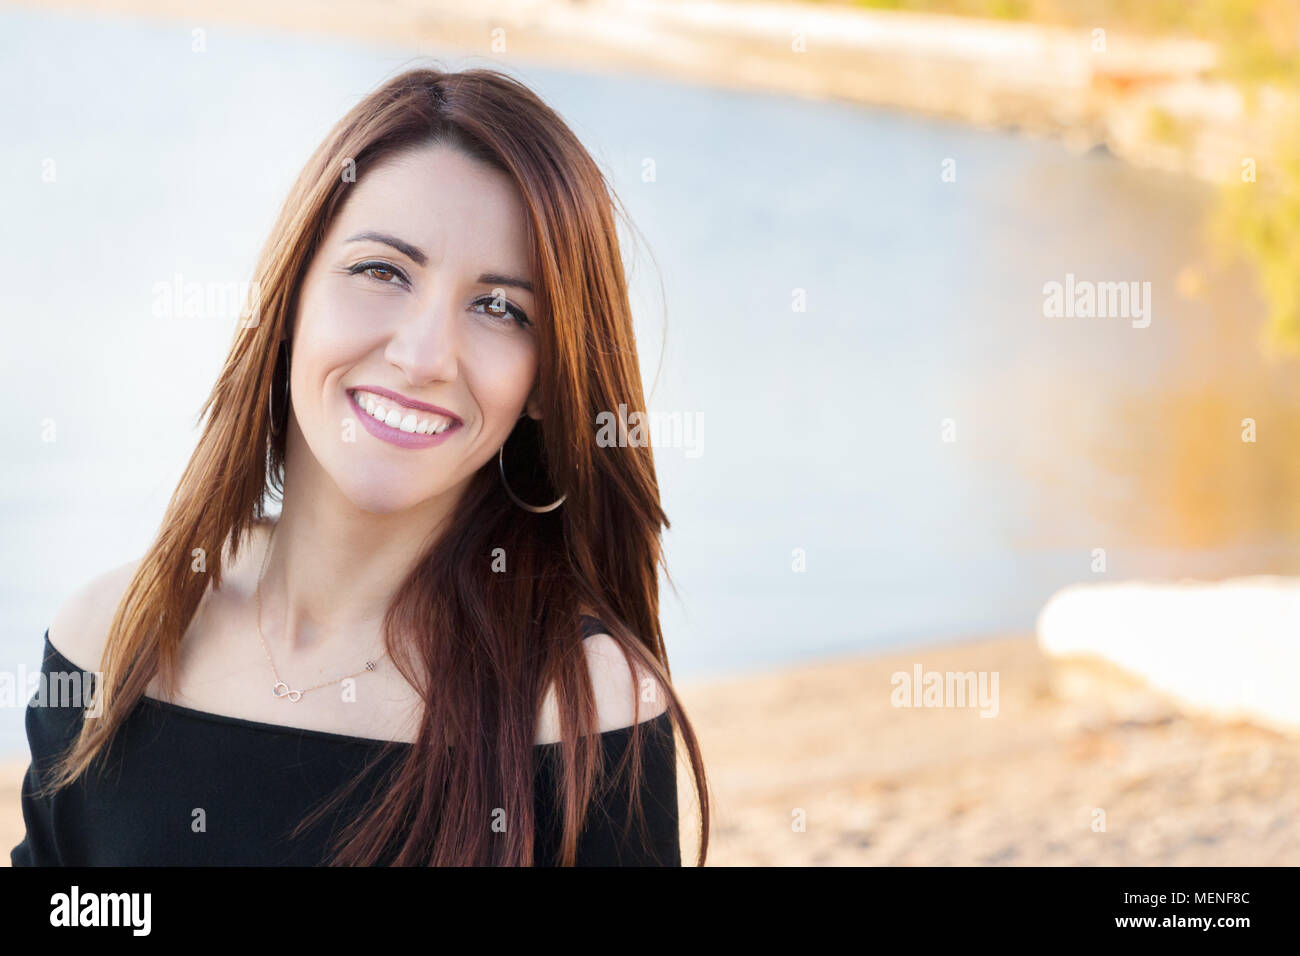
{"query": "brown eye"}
[(380, 272), (505, 313)]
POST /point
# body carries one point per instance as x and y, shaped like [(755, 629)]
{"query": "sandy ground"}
[(884, 785), (876, 784)]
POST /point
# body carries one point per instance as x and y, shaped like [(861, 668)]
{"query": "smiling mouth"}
[(395, 415)]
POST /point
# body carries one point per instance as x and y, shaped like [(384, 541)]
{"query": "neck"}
[(332, 570)]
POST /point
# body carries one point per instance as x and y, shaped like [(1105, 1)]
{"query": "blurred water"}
[(821, 427)]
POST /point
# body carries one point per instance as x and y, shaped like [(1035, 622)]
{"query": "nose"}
[(426, 344)]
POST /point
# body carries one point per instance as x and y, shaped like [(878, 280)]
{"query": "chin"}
[(374, 496)]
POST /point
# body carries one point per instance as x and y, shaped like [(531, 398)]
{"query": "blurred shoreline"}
[(1152, 102), (885, 785)]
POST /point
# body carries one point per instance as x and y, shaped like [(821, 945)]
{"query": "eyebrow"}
[(417, 256)]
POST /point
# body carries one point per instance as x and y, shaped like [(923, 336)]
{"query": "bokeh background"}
[(838, 263)]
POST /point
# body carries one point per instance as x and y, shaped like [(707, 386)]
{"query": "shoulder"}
[(624, 694), (80, 626)]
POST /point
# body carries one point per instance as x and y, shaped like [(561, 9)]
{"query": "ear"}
[(533, 407)]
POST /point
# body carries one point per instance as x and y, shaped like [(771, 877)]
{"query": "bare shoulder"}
[(80, 626), (623, 695)]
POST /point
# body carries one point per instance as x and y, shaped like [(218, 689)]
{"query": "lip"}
[(405, 402), (395, 436)]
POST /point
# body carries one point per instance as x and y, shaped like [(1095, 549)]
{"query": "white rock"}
[(1227, 649)]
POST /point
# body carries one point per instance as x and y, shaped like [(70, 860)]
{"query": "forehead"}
[(445, 203)]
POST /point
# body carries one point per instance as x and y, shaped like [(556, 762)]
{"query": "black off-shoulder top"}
[(250, 783)]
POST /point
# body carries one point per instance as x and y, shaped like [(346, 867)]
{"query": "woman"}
[(453, 624)]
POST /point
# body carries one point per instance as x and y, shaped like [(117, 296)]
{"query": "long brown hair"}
[(514, 633)]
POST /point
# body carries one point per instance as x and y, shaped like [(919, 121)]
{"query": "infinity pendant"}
[(281, 689)]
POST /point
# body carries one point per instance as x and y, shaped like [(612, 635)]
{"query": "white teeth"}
[(396, 417)]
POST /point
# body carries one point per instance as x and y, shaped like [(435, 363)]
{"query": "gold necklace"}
[(280, 688)]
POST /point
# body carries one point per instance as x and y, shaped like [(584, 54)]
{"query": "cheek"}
[(341, 312), (335, 325), (501, 374)]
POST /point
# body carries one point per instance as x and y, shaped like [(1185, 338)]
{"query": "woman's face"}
[(417, 308)]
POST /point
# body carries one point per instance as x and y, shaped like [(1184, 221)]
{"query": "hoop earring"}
[(270, 401), (535, 509)]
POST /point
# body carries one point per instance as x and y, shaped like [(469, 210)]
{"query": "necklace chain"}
[(280, 688)]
